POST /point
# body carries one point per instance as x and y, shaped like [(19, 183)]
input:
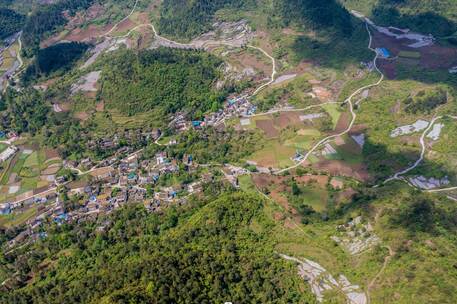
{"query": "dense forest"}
[(321, 15), (186, 19), (26, 111), (425, 16), (57, 58), (10, 22), (46, 19), (166, 80), (204, 254)]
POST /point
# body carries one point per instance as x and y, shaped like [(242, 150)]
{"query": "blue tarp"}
[(384, 52)]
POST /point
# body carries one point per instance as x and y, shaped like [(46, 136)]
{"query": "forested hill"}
[(426, 16), (10, 22), (316, 13), (163, 80), (46, 19), (209, 254), (188, 18)]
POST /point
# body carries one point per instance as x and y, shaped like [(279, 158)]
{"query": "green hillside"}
[(165, 80), (205, 255), (427, 16), (10, 22)]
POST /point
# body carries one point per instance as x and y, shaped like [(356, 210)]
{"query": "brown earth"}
[(343, 122), (100, 106), (357, 129), (82, 116), (267, 126), (388, 67), (91, 32), (51, 154), (432, 57), (321, 180), (286, 119), (247, 60), (341, 168), (125, 26)]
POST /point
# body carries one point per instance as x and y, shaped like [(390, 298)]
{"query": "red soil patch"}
[(143, 18), (357, 129), (343, 122), (278, 216), (388, 67), (286, 119), (247, 60), (322, 93), (267, 126), (282, 201), (51, 153), (321, 180), (100, 106), (91, 32), (82, 116), (124, 26), (289, 223), (340, 168)]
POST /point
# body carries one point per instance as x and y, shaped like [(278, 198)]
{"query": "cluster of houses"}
[(124, 139), (237, 106), (107, 189), (234, 107)]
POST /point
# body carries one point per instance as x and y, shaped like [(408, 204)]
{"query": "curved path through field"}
[(351, 108), (421, 158), (125, 18)]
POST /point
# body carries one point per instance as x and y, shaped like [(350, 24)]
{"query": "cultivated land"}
[(353, 209)]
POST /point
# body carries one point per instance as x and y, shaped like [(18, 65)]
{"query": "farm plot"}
[(28, 170)]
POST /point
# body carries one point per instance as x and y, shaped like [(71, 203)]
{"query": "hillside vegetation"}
[(186, 19), (10, 22), (208, 255), (426, 16), (166, 80), (46, 18)]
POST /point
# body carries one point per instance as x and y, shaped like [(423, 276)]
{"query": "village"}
[(126, 177)]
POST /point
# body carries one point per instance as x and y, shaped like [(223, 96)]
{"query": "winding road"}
[(351, 108), (421, 158)]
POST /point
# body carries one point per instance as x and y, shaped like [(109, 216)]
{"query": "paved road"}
[(351, 108), (421, 158)]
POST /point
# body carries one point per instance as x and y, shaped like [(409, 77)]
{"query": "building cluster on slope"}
[(102, 190)]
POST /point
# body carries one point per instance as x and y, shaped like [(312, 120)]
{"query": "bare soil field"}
[(286, 119), (82, 116), (343, 122), (247, 60), (267, 126), (340, 168), (321, 180), (357, 129), (51, 154), (90, 33)]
